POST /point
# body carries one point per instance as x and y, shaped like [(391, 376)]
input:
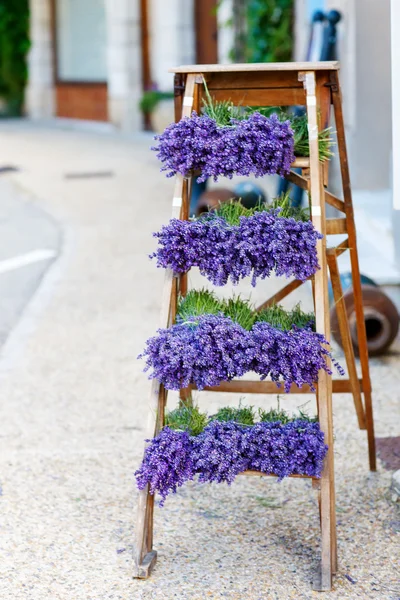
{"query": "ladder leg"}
[(346, 339), (355, 269), (324, 397), (144, 556)]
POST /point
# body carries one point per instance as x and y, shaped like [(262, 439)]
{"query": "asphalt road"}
[(29, 242)]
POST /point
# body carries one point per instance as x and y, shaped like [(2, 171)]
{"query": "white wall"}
[(40, 101), (225, 32), (124, 63), (371, 143), (364, 53), (172, 43), (395, 47)]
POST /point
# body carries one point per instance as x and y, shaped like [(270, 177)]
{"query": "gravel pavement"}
[(74, 408)]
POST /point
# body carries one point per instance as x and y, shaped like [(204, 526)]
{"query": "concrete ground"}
[(74, 408)]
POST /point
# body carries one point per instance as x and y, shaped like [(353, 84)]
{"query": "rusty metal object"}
[(381, 319)]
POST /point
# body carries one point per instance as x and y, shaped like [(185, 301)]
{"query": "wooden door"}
[(206, 31)]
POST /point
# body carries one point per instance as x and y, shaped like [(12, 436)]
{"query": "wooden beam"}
[(243, 386), (285, 291), (336, 226)]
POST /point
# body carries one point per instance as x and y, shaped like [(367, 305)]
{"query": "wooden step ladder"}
[(316, 86)]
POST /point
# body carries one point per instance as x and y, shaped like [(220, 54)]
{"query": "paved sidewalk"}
[(74, 407)]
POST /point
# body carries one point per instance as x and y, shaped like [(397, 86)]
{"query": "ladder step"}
[(239, 386), (251, 473), (301, 162)]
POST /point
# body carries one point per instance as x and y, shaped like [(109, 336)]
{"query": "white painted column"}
[(225, 31), (395, 44), (39, 99), (172, 43), (124, 64)]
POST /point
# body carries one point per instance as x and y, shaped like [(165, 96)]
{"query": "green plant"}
[(151, 99), (233, 210), (242, 414), (202, 302), (240, 311), (301, 144), (269, 30), (14, 46), (262, 30), (278, 317), (300, 130), (188, 418), (224, 111), (198, 302), (283, 202)]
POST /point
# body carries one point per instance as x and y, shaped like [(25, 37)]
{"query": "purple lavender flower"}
[(204, 351), (210, 349), (259, 245), (225, 449), (167, 463), (296, 448), (294, 356), (257, 145), (219, 452)]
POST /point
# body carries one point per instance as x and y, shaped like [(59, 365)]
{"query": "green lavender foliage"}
[(286, 210), (245, 415), (233, 210), (223, 111), (273, 414), (278, 317), (278, 414), (187, 418), (198, 302), (301, 143), (240, 311)]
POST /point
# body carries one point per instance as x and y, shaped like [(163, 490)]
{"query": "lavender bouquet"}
[(256, 145), (234, 242), (221, 448), (209, 349)]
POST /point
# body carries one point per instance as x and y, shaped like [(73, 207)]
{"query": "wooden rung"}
[(239, 386), (338, 250), (285, 291), (251, 473), (332, 200), (336, 226), (299, 180), (301, 162)]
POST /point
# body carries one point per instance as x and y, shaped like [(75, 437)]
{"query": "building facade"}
[(92, 60)]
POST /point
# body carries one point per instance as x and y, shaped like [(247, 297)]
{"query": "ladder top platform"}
[(251, 67)]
